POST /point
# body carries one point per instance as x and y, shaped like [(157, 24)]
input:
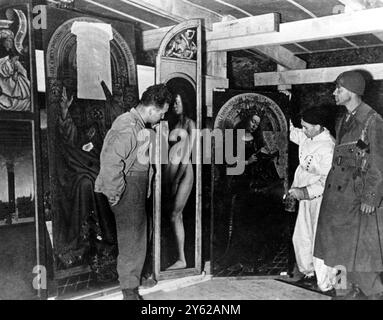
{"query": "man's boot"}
[(131, 294), (354, 294)]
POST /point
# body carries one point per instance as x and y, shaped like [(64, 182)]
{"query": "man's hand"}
[(265, 150), (287, 93), (297, 193), (253, 158), (65, 103), (366, 209), (113, 200)]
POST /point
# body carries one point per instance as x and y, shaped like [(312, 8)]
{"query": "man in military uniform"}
[(350, 226), (124, 179)]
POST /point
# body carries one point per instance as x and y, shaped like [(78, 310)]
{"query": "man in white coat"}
[(316, 146)]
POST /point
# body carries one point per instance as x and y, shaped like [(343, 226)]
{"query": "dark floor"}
[(79, 285), (278, 265)]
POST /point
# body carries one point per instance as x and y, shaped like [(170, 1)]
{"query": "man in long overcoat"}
[(350, 226)]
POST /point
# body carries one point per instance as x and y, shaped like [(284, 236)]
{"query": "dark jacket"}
[(344, 236)]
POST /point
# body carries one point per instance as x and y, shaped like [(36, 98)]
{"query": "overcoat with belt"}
[(344, 236)]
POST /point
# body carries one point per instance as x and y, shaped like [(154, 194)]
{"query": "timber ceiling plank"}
[(328, 27), (294, 48), (364, 40), (327, 44), (288, 11), (321, 8), (219, 7), (116, 6), (379, 35)]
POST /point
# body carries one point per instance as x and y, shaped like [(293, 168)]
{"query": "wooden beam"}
[(178, 9), (118, 12), (152, 40), (252, 25), (232, 6), (356, 5), (282, 56), (262, 23), (379, 35), (304, 9), (311, 14), (317, 75), (345, 24), (353, 5)]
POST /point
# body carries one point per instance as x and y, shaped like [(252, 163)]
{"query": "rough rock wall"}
[(242, 67), (315, 94)]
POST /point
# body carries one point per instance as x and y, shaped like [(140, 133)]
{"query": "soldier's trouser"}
[(369, 282), (131, 223)]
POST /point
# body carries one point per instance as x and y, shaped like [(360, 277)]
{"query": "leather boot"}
[(377, 296), (307, 281), (354, 294), (148, 281), (131, 294)]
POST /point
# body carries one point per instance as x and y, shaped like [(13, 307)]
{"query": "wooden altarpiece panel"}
[(249, 225), (179, 66), (84, 235), (22, 229)]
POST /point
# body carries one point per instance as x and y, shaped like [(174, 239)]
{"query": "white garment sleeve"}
[(296, 134), (320, 165)]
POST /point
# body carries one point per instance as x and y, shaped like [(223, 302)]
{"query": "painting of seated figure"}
[(83, 225), (249, 219), (15, 87)]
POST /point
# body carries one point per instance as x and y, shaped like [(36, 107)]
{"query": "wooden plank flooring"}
[(227, 289), (232, 289)]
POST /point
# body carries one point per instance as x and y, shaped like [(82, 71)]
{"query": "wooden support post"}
[(216, 70), (216, 64), (212, 83), (283, 87)]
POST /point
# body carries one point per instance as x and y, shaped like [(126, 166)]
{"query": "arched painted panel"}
[(179, 58), (273, 123)]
